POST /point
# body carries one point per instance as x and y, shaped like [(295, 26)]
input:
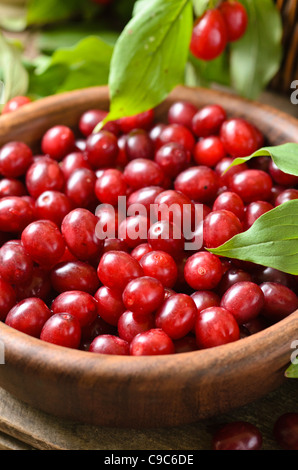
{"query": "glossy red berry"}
[(252, 185), (179, 134), (172, 158), (287, 195), (143, 295), (219, 227), (15, 214), (280, 177), (199, 183), (285, 431), (62, 329), (109, 186), (280, 301), (133, 230), (166, 236), (12, 187), (129, 325), (254, 210), (205, 299), (15, 103), (208, 120), (43, 175), (177, 315), (209, 36), (209, 151), (142, 120), (215, 326), (117, 268), (79, 231), (53, 205), (139, 145), (160, 265), (80, 188), (236, 19), (154, 342), (237, 435), (58, 141), (74, 275), (182, 112), (244, 300), (109, 344), (80, 304), (231, 276), (7, 298), (29, 316), (110, 304), (16, 266), (101, 149), (141, 172), (203, 271), (230, 201), (72, 162), (44, 242), (15, 159), (239, 137), (39, 285)]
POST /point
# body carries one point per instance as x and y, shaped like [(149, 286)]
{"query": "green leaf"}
[(256, 57), (12, 72), (86, 64), (271, 241), (206, 73), (150, 56), (292, 371), (285, 157), (48, 11)]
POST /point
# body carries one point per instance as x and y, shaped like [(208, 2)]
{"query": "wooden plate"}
[(147, 391)]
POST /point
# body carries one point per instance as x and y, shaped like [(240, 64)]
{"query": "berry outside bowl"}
[(147, 391)]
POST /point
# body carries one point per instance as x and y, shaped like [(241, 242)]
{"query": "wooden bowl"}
[(149, 391)]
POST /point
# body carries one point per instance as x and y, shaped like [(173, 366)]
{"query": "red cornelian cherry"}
[(15, 159), (280, 301), (89, 120), (80, 187), (15, 214), (230, 201), (244, 300), (286, 195), (205, 299), (143, 197), (110, 304), (110, 185), (29, 316), (172, 158), (16, 266), (139, 145), (129, 325), (44, 174), (231, 277), (53, 205), (203, 271), (252, 185), (12, 187), (44, 242), (280, 177), (79, 231), (219, 227), (140, 251), (179, 134), (239, 137), (177, 315), (57, 142), (15, 103), (166, 236), (237, 435), (142, 172), (199, 183), (72, 162), (208, 120), (154, 342), (225, 174), (62, 329), (133, 230), (182, 112), (209, 36), (143, 295), (80, 304), (209, 151), (101, 149), (236, 19), (109, 344), (215, 326), (142, 120), (117, 268), (254, 210), (160, 265), (74, 275), (7, 298), (285, 431), (39, 285)]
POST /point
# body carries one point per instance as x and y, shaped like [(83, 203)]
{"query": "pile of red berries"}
[(216, 28), (140, 291)]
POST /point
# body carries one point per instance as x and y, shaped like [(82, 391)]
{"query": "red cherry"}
[(209, 36)]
